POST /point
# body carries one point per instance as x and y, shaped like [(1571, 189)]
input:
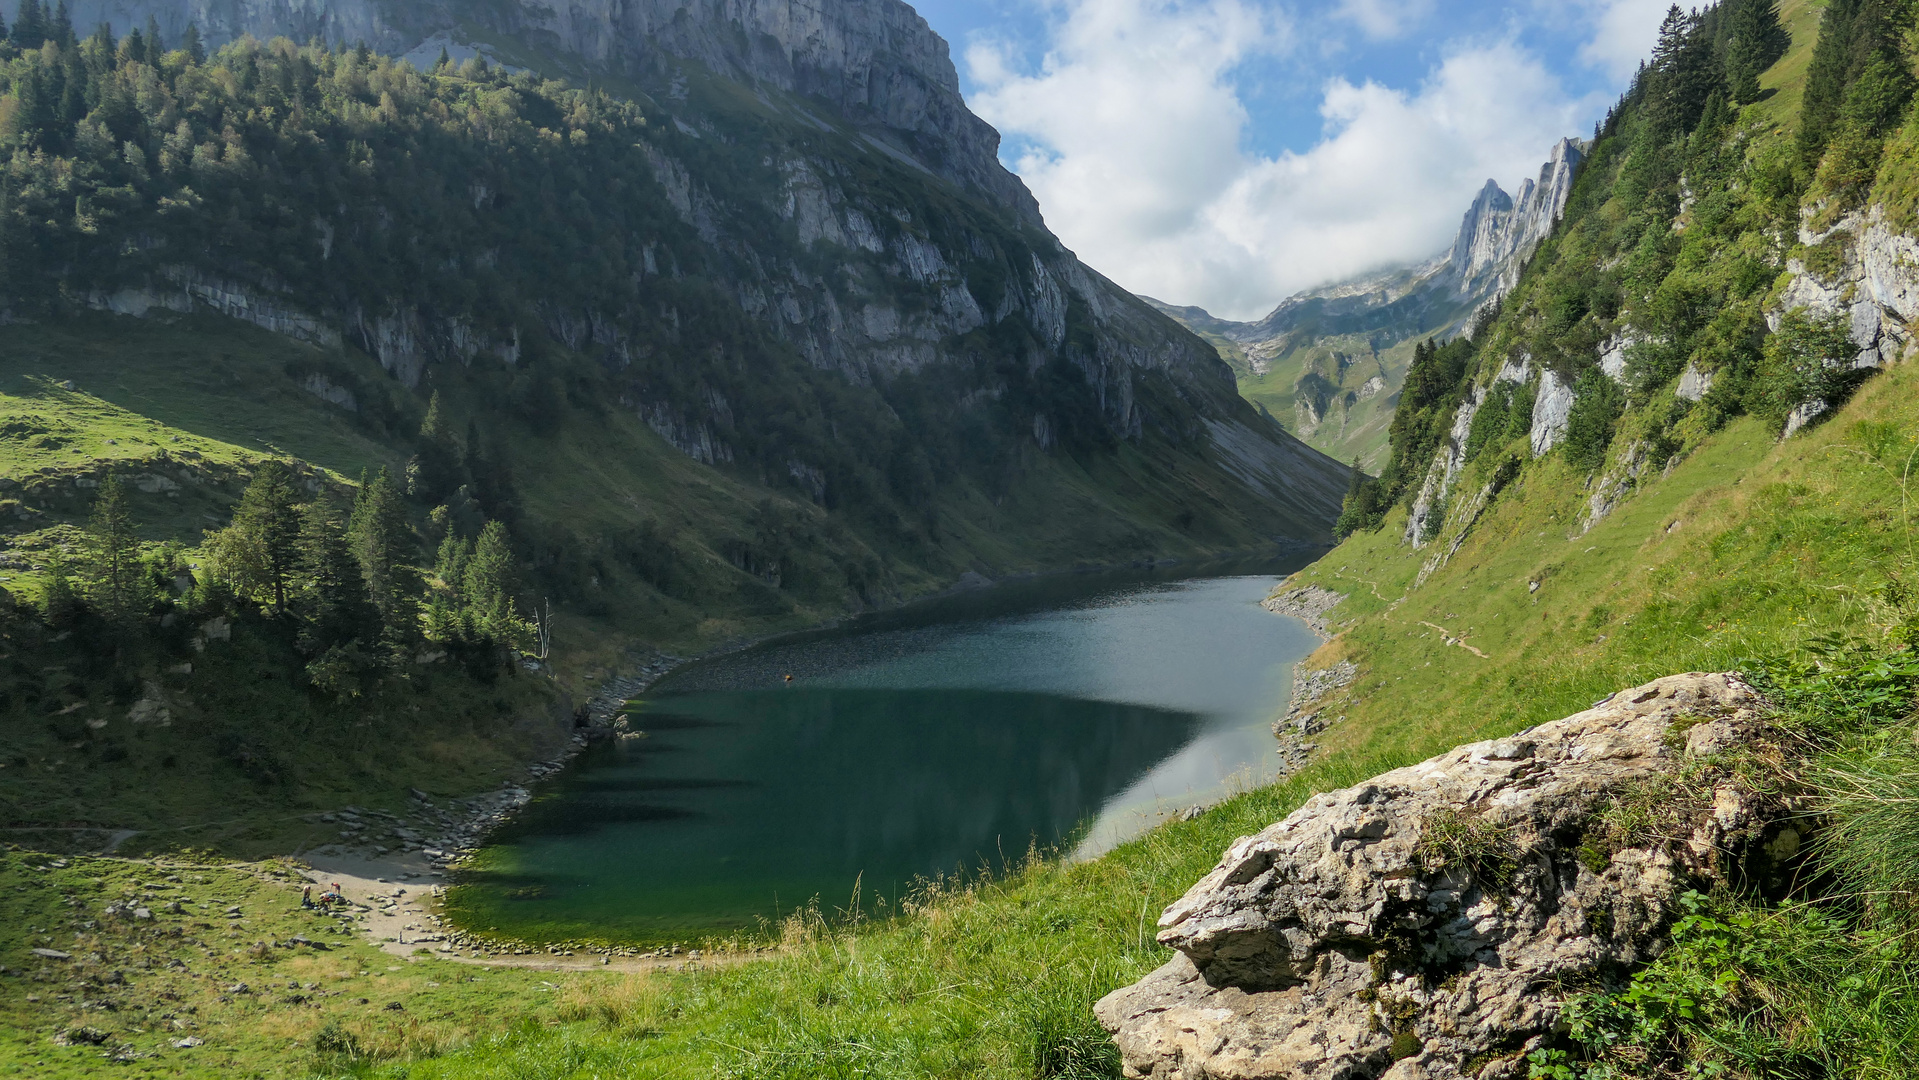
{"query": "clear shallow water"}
[(946, 738)]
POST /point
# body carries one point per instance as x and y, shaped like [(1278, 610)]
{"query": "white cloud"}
[(1135, 130), (1623, 32), (1383, 19), (1130, 118)]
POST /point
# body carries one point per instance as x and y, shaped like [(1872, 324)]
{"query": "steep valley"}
[(1682, 441), (712, 343)]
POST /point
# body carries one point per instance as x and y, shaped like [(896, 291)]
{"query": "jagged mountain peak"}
[(1499, 231), (1328, 361)]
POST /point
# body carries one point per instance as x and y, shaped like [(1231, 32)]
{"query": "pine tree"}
[(1684, 74), (382, 544), (190, 44), (268, 521), (489, 587), (29, 26), (1755, 40), (115, 579), (332, 601), (434, 472), (1825, 89), (1858, 83), (60, 27), (446, 616)]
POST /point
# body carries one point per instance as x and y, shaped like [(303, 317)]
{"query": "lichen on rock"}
[(1423, 924)]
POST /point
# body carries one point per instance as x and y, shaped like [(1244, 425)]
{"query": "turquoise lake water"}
[(949, 737)]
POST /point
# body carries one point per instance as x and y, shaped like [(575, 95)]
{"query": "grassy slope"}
[(1788, 77), (1347, 431), (995, 980), (124, 983)]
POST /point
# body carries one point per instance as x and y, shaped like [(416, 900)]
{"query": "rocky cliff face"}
[(1422, 924), (875, 62), (1319, 352), (1500, 231), (813, 164)]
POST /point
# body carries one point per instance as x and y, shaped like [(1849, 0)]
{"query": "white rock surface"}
[(1445, 468), (1331, 947), (1552, 407)]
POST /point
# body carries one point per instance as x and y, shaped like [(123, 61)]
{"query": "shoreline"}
[(420, 864), (1310, 604)]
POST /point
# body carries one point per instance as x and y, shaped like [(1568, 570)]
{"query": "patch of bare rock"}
[(1426, 924), (1309, 604)]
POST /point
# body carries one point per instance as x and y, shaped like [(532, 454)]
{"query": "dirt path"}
[(395, 910)]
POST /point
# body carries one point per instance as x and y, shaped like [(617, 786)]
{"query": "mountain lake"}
[(950, 737)]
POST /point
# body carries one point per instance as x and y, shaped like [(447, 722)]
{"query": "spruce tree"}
[(1755, 40), (156, 48), (489, 587), (115, 579), (190, 44), (1825, 89), (434, 472), (60, 27), (383, 545), (332, 601), (1684, 74), (268, 520), (29, 26), (446, 616)]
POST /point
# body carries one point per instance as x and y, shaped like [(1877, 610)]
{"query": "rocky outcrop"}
[(1309, 604), (1874, 289), (1425, 923), (1552, 409), (1429, 509)]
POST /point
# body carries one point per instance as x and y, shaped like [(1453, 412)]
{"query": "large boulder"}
[(1420, 924)]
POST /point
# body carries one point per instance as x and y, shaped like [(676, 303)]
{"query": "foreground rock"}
[(1421, 924)]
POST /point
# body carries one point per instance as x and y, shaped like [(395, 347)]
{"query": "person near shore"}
[(306, 897)]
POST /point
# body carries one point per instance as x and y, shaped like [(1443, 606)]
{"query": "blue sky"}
[(1230, 152)]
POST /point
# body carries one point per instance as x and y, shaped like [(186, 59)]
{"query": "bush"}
[(1808, 362), (1597, 404)]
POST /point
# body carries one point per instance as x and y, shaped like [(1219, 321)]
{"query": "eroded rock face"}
[(1335, 945)]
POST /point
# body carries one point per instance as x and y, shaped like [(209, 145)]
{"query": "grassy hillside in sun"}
[(1353, 421)]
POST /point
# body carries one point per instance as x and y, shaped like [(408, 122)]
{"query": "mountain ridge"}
[(1320, 354)]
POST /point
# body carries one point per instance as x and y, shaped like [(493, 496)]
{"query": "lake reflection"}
[(900, 752)]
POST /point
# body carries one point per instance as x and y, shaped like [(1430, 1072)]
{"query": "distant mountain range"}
[(1328, 362)]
